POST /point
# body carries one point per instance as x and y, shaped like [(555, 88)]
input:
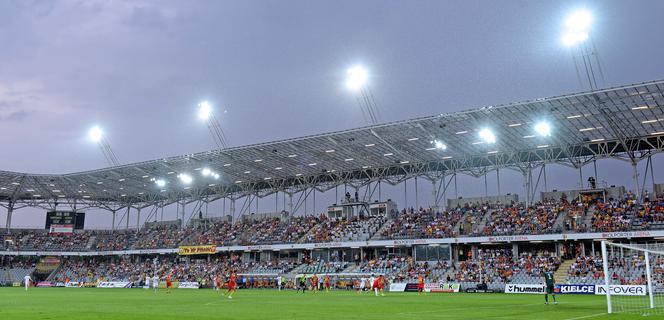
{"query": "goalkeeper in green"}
[(550, 283)]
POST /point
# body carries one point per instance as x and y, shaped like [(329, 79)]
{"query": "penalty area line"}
[(588, 316)]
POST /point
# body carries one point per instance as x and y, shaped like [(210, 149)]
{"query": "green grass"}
[(92, 303)]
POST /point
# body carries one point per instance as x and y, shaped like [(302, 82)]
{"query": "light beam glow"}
[(357, 77)]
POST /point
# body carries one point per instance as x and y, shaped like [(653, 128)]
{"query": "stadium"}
[(237, 232)]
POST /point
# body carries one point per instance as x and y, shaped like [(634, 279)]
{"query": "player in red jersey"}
[(420, 284), (169, 284), (381, 285), (231, 286), (314, 283), (326, 283), (217, 282)]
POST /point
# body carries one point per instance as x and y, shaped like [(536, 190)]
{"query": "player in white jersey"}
[(155, 283), (147, 282), (371, 282), (279, 282), (27, 281), (363, 283)]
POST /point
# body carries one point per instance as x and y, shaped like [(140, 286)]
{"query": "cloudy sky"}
[(275, 69)]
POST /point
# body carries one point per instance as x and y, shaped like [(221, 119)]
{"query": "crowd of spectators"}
[(342, 229), (422, 223), (162, 236), (519, 219)]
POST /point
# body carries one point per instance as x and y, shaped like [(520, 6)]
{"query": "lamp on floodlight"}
[(577, 27), (96, 134), (204, 110), (487, 136), (439, 145), (356, 77), (185, 178), (160, 182), (206, 172), (543, 129)]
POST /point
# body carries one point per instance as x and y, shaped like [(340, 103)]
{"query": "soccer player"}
[(155, 283), (169, 284), (147, 282), (279, 282), (381, 285), (420, 284), (27, 279), (550, 283), (314, 283), (363, 283), (231, 286), (326, 283), (370, 283), (217, 282), (303, 283)]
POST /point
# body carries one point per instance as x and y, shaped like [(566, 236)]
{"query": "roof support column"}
[(526, 183), (10, 211), (290, 204), (498, 180), (581, 177), (183, 214), (113, 221), (232, 208), (434, 193), (546, 188), (417, 202), (127, 219), (635, 178), (138, 220)]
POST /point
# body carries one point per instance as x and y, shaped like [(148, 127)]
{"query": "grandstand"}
[(484, 242)]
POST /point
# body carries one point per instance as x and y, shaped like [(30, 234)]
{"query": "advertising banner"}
[(575, 289), (525, 288), (114, 284), (189, 250), (397, 287), (441, 287), (622, 290), (189, 285), (45, 284), (61, 228), (73, 284)]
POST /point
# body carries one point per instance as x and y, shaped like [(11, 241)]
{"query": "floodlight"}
[(160, 182), (357, 77), (579, 20), (439, 145), (577, 27), (204, 110), (206, 172), (216, 176), (487, 135), (96, 134), (185, 178), (543, 129)]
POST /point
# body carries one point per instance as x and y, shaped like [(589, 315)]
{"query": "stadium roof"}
[(625, 121)]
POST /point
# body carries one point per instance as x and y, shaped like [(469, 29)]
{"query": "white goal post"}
[(633, 278)]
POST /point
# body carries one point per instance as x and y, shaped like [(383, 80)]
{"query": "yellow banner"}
[(189, 250)]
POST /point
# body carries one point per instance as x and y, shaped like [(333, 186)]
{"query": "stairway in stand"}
[(561, 274)]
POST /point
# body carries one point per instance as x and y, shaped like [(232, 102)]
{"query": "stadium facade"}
[(624, 122)]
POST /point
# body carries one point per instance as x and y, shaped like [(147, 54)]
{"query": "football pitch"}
[(93, 303)]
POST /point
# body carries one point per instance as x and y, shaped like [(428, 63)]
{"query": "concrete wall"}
[(453, 203)]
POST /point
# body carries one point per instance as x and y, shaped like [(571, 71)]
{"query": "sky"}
[(275, 69)]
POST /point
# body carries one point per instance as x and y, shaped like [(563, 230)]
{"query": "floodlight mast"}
[(357, 81), (97, 136), (577, 37), (206, 114)]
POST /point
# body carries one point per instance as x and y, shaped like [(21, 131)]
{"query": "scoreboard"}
[(77, 219)]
